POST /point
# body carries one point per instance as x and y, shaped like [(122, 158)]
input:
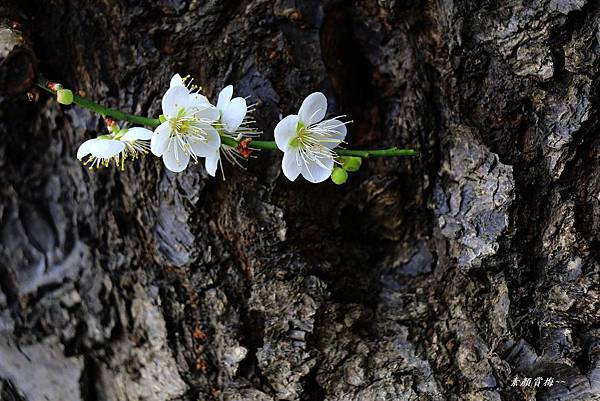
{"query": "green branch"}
[(270, 145), (103, 111), (390, 152), (227, 140)]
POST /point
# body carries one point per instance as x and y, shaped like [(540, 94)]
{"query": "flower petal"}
[(224, 97), (291, 164), (174, 99), (206, 112), (85, 148), (285, 131), (313, 108), (176, 81), (137, 134), (175, 158), (160, 139), (198, 100), (106, 148), (205, 148), (317, 172), (336, 132), (212, 162), (234, 114)]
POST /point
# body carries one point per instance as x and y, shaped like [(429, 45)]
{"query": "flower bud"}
[(352, 163), (339, 176), (64, 96)]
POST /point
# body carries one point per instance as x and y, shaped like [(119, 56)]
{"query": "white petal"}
[(337, 131), (285, 131), (137, 134), (85, 148), (315, 172), (224, 97), (206, 112), (175, 158), (313, 108), (291, 164), (175, 98), (160, 139), (212, 162), (176, 81), (234, 114), (106, 148), (198, 100), (205, 148)]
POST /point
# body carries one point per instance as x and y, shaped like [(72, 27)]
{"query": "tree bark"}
[(442, 277), (18, 64)]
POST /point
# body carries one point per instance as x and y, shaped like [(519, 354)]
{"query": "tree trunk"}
[(450, 276)]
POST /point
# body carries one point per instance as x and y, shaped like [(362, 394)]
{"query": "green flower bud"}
[(339, 176), (352, 163), (162, 118), (64, 96)]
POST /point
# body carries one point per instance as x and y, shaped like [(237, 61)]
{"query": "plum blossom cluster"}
[(192, 128)]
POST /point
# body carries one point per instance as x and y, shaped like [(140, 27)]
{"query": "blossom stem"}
[(227, 140), (270, 145), (390, 152), (103, 111)]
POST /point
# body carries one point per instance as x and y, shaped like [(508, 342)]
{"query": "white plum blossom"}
[(187, 131), (307, 141), (101, 151), (232, 115), (127, 143)]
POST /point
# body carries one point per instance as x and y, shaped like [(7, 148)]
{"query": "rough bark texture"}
[(441, 277), (18, 64)]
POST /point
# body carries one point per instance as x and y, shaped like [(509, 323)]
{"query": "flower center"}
[(311, 142), (186, 124), (187, 128)]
